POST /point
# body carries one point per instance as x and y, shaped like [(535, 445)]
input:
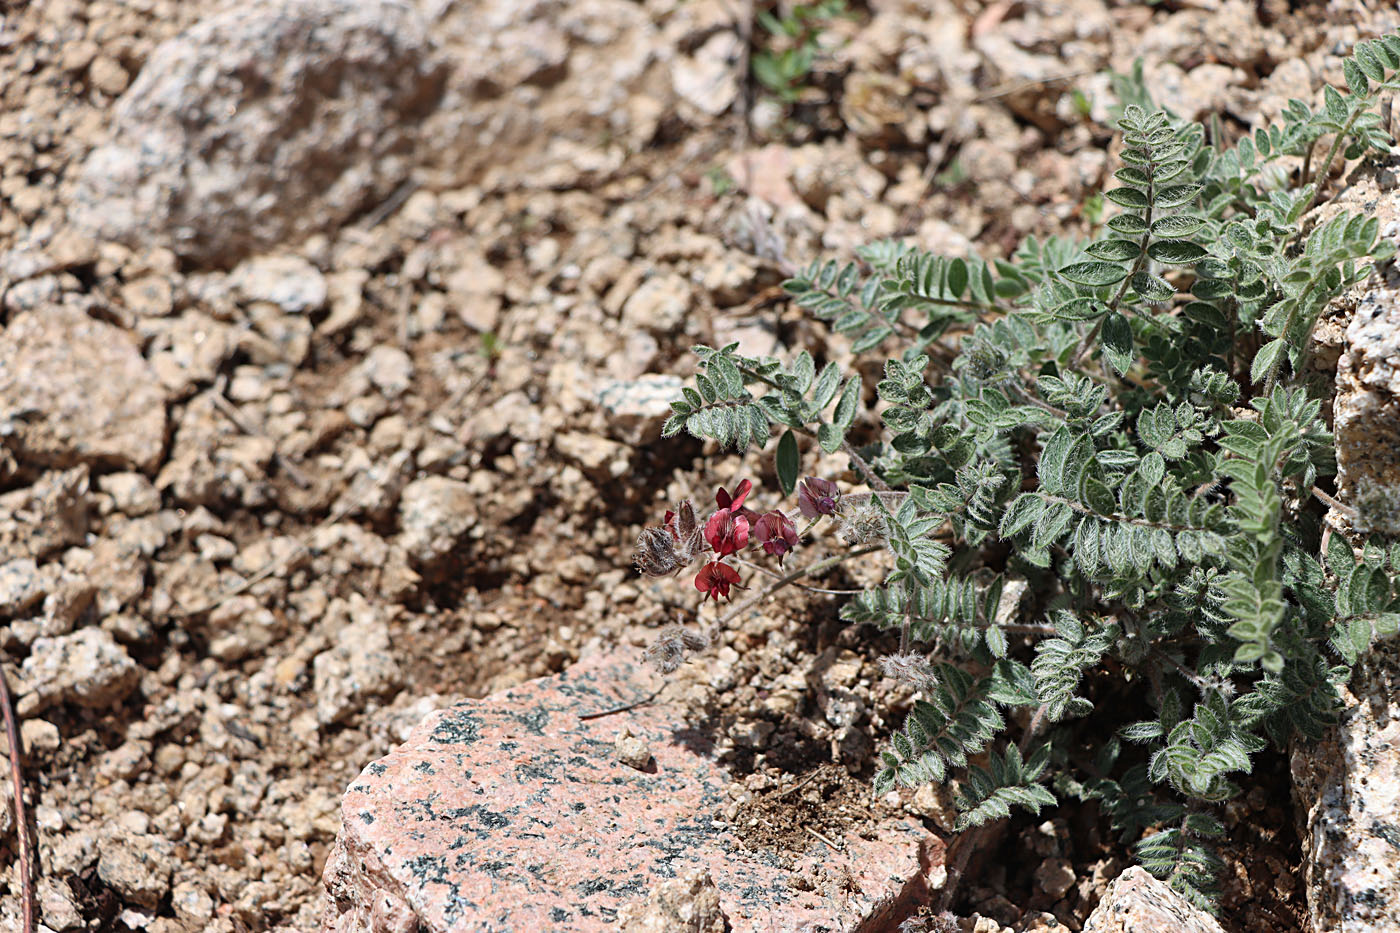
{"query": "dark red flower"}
[(715, 579), (817, 496), (727, 533), (777, 533), (735, 503)]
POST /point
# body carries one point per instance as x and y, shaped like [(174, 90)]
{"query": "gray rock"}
[(1136, 902), (597, 456), (149, 296), (1367, 413), (537, 81), (434, 512), (1055, 876), (211, 461), (75, 389), (635, 409), (357, 669), (21, 587), (390, 370), (1347, 791), (632, 751), (87, 668), (137, 866), (132, 493), (661, 304), (262, 124), (290, 282), (687, 904), (709, 79), (192, 904), (512, 415), (57, 907), (51, 514)]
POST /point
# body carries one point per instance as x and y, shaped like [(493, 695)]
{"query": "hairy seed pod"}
[(656, 553)]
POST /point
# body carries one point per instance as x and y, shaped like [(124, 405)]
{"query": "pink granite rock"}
[(510, 814)]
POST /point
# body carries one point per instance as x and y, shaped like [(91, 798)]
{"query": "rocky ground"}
[(335, 341)]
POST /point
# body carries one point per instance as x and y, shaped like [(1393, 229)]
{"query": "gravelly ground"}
[(262, 509)]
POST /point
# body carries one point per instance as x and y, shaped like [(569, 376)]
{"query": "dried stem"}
[(26, 877), (231, 412), (870, 475), (625, 707)]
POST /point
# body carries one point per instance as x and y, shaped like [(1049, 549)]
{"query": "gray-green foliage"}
[(1127, 425)]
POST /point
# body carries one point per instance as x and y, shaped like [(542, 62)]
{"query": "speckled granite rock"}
[(1348, 793), (1136, 902), (1367, 405), (510, 813), (1368, 413), (75, 389)]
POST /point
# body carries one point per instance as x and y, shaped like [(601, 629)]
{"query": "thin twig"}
[(26, 878), (870, 475), (1199, 682), (799, 785), (231, 412), (270, 567), (393, 202), (625, 707), (829, 844), (745, 24), (1006, 90), (460, 396), (801, 586), (1325, 169)]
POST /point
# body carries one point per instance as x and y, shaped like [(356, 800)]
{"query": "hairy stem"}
[(1326, 165), (818, 567), (801, 586), (1086, 347)]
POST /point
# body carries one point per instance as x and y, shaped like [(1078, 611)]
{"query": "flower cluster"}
[(670, 548)]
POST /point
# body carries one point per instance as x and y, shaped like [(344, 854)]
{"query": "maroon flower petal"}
[(715, 579), (817, 496), (727, 533), (735, 503)]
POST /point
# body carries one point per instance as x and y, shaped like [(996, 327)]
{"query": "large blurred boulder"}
[(267, 122), (555, 91)]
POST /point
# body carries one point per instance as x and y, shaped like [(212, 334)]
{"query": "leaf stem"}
[(1087, 345), (871, 477), (1326, 165)]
